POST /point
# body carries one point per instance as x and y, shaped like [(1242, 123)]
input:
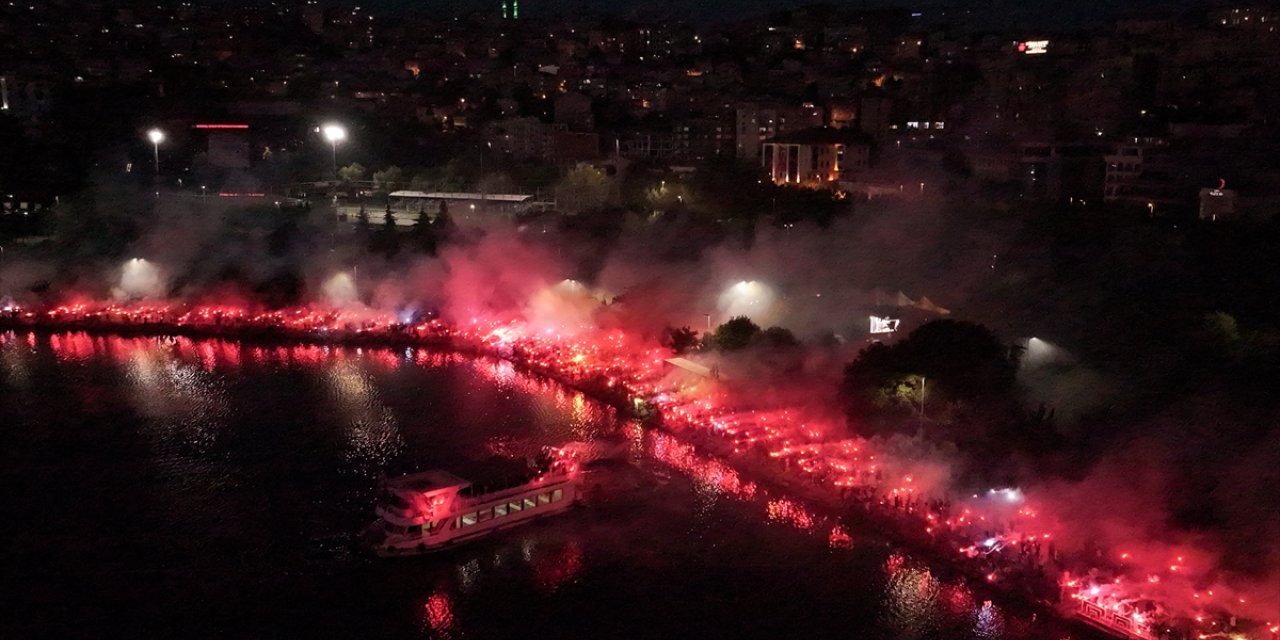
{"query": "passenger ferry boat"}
[(427, 511)]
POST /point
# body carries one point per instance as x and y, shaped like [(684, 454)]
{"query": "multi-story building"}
[(757, 123), (1123, 168), (815, 158), (1062, 171)]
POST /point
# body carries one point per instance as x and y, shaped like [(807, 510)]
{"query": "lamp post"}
[(156, 136), (922, 383), (334, 133)]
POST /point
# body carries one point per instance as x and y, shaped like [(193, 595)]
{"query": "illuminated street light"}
[(334, 133), (156, 136), (746, 298)]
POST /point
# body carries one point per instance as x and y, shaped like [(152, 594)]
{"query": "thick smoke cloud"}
[(1153, 487)]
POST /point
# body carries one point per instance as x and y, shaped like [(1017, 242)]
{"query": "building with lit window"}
[(815, 158)]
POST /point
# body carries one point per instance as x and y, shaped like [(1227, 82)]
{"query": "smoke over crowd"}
[(1193, 480)]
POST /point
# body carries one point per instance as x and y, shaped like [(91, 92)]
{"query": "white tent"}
[(926, 304)]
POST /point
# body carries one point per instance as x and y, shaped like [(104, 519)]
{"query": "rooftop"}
[(462, 195)]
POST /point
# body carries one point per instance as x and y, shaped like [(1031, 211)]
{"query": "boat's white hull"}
[(464, 527), (398, 550)]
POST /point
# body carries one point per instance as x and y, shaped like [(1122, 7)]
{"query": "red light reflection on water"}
[(707, 473), (555, 568), (437, 613), (634, 368), (839, 538), (71, 347), (784, 510)]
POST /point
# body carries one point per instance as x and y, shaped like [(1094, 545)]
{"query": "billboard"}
[(1033, 47), (884, 325)]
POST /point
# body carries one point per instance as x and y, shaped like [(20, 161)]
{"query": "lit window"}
[(499, 510), (468, 519), (514, 507), (557, 495), (530, 503), (544, 498), (486, 514)]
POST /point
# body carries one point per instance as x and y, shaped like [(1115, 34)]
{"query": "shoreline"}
[(893, 527)]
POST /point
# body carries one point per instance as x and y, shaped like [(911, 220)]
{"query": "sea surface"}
[(176, 487)]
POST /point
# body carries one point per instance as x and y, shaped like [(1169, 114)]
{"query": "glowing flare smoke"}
[(138, 280)]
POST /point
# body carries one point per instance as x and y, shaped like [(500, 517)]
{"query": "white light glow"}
[(340, 290), (747, 298), (156, 136), (884, 325), (334, 132), (139, 279)]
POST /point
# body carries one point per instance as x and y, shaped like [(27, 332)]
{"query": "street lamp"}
[(334, 133), (156, 136)]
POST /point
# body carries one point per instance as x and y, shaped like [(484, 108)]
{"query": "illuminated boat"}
[(431, 510), (1095, 605)]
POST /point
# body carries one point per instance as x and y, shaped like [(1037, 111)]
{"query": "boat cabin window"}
[(435, 526), (486, 514), (515, 507), (468, 519), (544, 498), (530, 503), (414, 531), (557, 495), (499, 510)]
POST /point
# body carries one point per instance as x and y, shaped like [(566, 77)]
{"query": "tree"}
[(386, 180), (778, 337), (353, 172), (364, 228), (443, 225), (735, 334), (679, 340), (424, 235), (909, 390), (965, 358), (496, 183), (1220, 337), (387, 242), (422, 181), (961, 364), (582, 189)]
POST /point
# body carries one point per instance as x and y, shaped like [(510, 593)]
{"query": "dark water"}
[(160, 487)]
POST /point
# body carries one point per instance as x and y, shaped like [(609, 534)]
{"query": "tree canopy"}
[(735, 334)]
